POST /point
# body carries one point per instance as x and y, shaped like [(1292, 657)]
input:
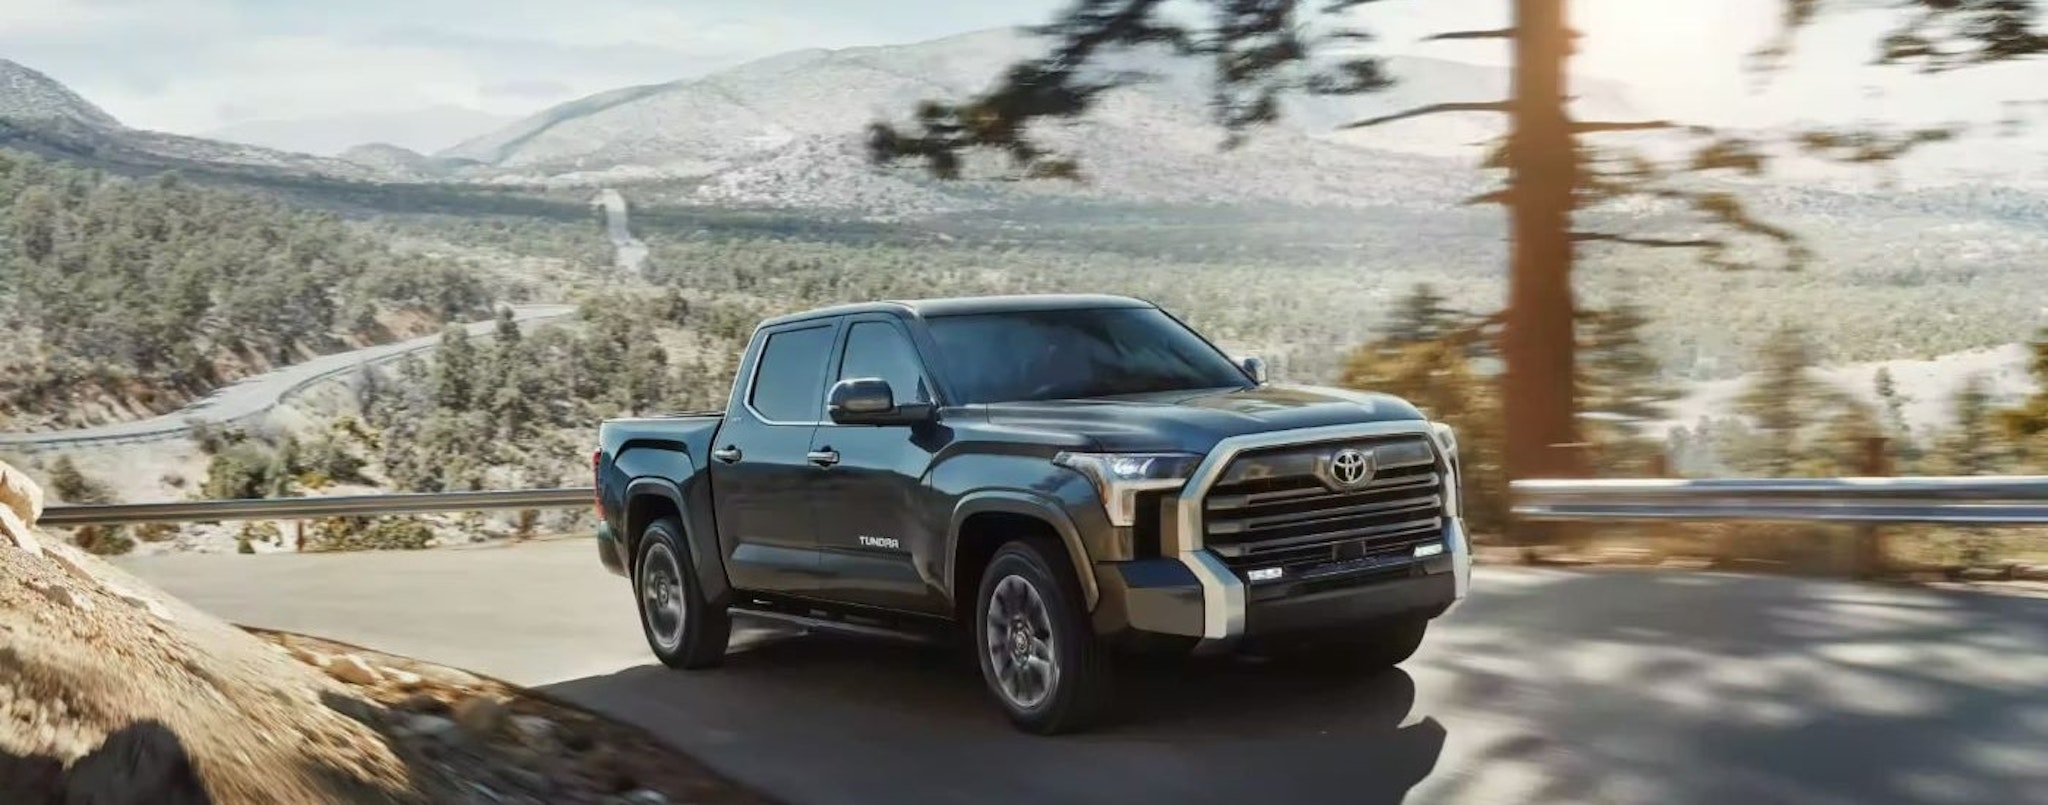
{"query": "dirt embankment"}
[(113, 692)]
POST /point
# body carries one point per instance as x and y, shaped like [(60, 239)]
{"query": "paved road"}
[(629, 253), (1550, 686), (255, 395)]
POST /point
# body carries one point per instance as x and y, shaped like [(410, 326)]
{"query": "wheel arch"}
[(649, 499), (982, 517)]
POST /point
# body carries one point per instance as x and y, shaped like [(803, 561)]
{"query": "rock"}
[(403, 680), (20, 495), (65, 596), (423, 703), (142, 763), (1687, 563), (149, 605), (645, 797), (527, 781), (36, 778), (2025, 572), (72, 560), (450, 677), (308, 656), (481, 717), (429, 725), (351, 669), (538, 734), (16, 531)]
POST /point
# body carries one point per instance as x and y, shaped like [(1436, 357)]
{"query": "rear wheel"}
[(1038, 652), (683, 630)]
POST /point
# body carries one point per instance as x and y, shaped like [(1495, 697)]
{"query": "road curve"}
[(629, 253), (1548, 686), (254, 396)]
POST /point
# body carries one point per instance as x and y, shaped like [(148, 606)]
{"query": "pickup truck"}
[(1054, 480)]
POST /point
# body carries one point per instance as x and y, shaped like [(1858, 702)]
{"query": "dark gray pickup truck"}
[(1057, 479)]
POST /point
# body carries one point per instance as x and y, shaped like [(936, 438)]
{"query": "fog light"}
[(1431, 549), (1266, 573)]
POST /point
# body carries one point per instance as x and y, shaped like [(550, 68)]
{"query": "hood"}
[(1195, 421)]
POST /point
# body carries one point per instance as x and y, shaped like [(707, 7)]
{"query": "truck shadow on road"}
[(826, 719)]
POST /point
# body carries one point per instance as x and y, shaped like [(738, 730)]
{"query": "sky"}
[(192, 66)]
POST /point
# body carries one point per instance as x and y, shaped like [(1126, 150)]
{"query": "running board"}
[(838, 626)]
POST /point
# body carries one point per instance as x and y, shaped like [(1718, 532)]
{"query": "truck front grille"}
[(1283, 507)]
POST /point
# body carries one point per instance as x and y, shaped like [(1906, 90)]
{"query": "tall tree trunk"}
[(1538, 338)]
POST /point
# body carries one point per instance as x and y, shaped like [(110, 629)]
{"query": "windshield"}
[(1075, 354)]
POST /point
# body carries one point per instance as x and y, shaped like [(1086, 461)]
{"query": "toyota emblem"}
[(1351, 467)]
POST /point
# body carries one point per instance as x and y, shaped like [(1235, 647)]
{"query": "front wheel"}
[(683, 630), (1038, 653)]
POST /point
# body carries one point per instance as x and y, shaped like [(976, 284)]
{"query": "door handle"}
[(823, 458), (729, 454)]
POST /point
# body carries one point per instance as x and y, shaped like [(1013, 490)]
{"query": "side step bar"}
[(915, 637)]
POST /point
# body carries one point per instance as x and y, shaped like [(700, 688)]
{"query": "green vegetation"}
[(126, 296), (502, 413)]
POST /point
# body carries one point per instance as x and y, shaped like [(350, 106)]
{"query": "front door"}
[(876, 544), (760, 476)]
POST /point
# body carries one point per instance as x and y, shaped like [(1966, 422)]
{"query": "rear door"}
[(874, 542), (761, 481)]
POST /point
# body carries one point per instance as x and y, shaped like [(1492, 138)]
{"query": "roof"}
[(966, 305)]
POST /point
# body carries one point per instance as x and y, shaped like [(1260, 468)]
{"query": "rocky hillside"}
[(37, 113), (787, 131), (112, 692), (26, 94)]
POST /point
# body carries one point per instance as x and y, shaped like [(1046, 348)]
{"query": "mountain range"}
[(787, 131), (422, 130), (41, 115)]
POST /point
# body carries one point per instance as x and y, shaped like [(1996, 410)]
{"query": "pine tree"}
[(1419, 316), (1779, 398), (1894, 403), (2027, 424), (455, 370), (1620, 376), (1973, 445)]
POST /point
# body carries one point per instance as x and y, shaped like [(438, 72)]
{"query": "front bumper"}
[(1165, 598)]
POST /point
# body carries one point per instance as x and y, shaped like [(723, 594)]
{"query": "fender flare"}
[(1036, 507), (703, 548)]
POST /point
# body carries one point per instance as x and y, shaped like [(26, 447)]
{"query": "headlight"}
[(1119, 477), (1447, 440), (1445, 437)]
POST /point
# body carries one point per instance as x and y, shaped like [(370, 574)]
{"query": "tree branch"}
[(1655, 243), (1432, 109), (1595, 126), (1502, 33)]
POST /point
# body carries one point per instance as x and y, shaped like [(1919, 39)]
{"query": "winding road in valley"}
[(1565, 686), (254, 396)]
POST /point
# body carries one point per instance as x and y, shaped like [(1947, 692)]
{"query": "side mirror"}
[(1254, 366), (870, 401)]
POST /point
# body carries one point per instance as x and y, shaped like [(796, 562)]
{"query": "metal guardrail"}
[(1959, 500), (206, 511), (1953, 500)]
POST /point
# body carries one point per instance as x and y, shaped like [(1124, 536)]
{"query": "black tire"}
[(1375, 647), (663, 561), (1077, 692)]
